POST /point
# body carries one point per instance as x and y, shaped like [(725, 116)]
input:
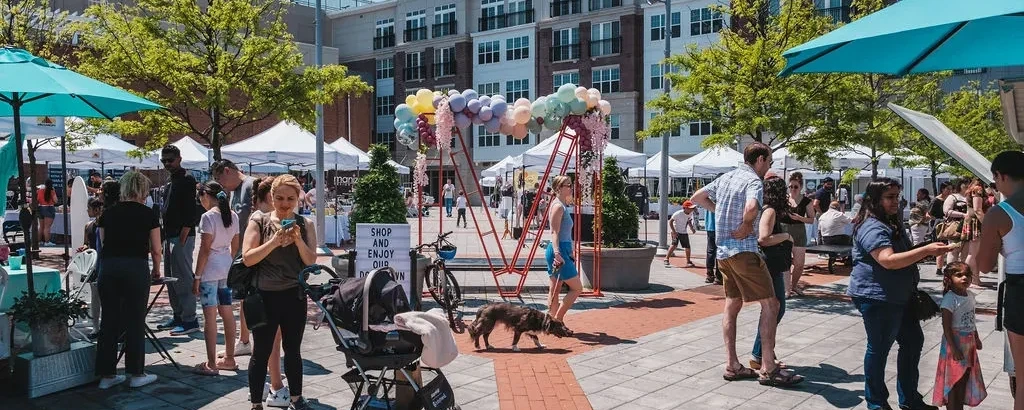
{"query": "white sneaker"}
[(108, 382), (243, 349), (278, 398), (139, 381)]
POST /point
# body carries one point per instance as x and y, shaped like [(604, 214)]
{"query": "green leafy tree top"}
[(619, 216), (216, 65), (378, 198)]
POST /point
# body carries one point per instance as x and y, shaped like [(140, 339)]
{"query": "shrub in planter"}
[(378, 197), (49, 315)]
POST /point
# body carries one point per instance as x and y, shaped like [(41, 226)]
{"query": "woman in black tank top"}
[(794, 221), (777, 246)]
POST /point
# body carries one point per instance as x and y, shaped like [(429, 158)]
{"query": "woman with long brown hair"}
[(977, 199), (777, 246), (795, 219)]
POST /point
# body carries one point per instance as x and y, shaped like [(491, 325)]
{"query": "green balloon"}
[(578, 106), (534, 126)]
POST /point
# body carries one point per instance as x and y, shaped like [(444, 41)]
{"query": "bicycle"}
[(441, 283)]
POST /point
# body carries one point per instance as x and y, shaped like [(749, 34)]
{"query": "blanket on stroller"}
[(439, 346)]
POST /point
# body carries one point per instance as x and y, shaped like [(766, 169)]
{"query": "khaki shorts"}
[(746, 276)]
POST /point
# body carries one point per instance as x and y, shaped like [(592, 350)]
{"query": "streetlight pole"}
[(321, 195), (663, 181)]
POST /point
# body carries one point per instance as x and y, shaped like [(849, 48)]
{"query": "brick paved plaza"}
[(659, 349)]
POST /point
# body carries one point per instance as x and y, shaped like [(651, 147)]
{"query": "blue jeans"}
[(779, 285), (448, 206), (886, 323)]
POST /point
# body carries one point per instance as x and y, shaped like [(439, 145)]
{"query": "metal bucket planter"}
[(50, 338)]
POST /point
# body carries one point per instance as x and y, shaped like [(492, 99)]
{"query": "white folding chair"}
[(81, 279)]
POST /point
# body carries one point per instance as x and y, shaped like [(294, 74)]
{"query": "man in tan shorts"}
[(735, 198)]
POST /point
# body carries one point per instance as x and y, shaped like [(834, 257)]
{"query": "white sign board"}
[(948, 141), (380, 245), (34, 127)]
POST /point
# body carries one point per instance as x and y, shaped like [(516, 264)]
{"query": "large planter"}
[(621, 268), (50, 338)]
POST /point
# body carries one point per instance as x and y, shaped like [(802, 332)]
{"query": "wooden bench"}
[(833, 251)]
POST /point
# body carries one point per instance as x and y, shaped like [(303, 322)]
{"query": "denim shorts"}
[(48, 211), (214, 293)]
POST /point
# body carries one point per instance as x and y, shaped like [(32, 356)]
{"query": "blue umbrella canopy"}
[(918, 36)]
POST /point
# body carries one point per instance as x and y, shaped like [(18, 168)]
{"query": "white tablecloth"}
[(335, 228), (56, 228)]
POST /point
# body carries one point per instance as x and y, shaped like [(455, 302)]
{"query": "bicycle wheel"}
[(453, 295), (433, 283)]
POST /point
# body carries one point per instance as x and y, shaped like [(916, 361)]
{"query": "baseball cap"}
[(688, 204)]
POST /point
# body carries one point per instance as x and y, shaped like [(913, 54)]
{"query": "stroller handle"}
[(315, 270)]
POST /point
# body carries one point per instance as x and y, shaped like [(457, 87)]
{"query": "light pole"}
[(663, 181), (321, 195)]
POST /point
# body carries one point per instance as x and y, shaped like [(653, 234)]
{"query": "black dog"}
[(520, 319)]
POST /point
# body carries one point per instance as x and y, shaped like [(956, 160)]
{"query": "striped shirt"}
[(730, 193)]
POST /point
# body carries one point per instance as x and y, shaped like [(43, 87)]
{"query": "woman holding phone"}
[(281, 244)]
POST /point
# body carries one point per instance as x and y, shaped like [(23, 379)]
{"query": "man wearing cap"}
[(94, 183), (678, 223)]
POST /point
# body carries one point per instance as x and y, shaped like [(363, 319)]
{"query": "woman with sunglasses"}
[(560, 253), (795, 221)]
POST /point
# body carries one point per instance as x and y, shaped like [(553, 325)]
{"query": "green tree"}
[(215, 65), (734, 82), (619, 223), (378, 197)]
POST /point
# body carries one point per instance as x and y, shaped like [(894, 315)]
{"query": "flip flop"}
[(205, 370), (742, 373), (221, 366)]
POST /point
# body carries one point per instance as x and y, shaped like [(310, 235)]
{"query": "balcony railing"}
[(415, 34), (444, 69), (445, 29), (415, 73), (565, 52), (565, 7), (385, 41), (603, 4), (604, 47), (506, 20), (839, 14)]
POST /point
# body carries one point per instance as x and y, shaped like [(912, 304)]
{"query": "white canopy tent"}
[(285, 143), (499, 169), (539, 155), (710, 162), (857, 156), (488, 182), (345, 147), (193, 154), (653, 168), (105, 149)]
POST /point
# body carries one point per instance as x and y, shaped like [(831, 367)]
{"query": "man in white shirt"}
[(833, 224), (677, 224)]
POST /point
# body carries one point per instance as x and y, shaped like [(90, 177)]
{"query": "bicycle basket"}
[(447, 253)]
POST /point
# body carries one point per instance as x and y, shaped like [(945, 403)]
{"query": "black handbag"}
[(921, 305)]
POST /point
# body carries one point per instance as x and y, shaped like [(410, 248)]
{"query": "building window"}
[(603, 4), (658, 26), (516, 89), (519, 12), (510, 140), (565, 7), (385, 105), (702, 128), (487, 139), (567, 77), (517, 48), (414, 66), (444, 20), (606, 79), (969, 71), (604, 39), (613, 124), (386, 138), (488, 52), (444, 61), (416, 25), (656, 77), (565, 44), (384, 36), (678, 132), (492, 14), (489, 88), (704, 21), (385, 68)]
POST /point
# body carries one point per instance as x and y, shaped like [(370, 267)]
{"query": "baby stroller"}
[(360, 313)]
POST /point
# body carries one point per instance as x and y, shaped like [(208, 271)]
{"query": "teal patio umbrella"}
[(32, 86), (918, 36)]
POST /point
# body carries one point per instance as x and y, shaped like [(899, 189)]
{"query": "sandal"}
[(221, 365), (690, 265), (742, 373), (205, 370), (780, 378), (756, 364)]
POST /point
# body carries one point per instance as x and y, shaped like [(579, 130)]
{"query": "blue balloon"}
[(398, 124), (452, 92), (499, 108), (457, 103), (408, 129), (470, 94), (476, 120), (485, 101), (474, 106), (461, 120), (493, 125), (485, 114), (437, 100), (404, 112)]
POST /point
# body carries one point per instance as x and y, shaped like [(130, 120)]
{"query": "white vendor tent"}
[(345, 147), (856, 156), (193, 154), (653, 169), (285, 143), (710, 162), (499, 169), (538, 156), (488, 182), (105, 149)]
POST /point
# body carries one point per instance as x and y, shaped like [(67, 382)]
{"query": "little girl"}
[(218, 228), (958, 380)]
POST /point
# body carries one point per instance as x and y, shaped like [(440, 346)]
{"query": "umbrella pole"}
[(67, 216), (25, 216)]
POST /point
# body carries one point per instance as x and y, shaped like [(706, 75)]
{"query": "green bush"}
[(678, 200), (47, 307), (619, 223), (377, 194)]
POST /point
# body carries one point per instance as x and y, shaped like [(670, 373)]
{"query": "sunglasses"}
[(167, 160)]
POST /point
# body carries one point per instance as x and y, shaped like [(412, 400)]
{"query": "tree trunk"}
[(935, 178), (215, 141)]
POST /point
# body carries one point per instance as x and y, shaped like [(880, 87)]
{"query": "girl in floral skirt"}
[(958, 379)]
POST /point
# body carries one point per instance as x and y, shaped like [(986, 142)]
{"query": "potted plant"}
[(48, 316), (625, 261)]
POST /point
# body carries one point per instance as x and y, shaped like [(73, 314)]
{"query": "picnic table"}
[(833, 251)]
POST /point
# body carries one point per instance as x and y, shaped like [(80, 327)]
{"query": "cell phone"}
[(287, 223)]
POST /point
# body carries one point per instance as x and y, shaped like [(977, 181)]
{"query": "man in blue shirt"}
[(735, 198), (714, 274)]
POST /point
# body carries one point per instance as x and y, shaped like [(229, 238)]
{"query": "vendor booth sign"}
[(34, 126), (380, 245)]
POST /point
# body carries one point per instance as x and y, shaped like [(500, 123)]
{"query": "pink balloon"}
[(581, 93), (507, 119), (521, 115), (506, 129), (519, 131), (606, 107), (522, 102)]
